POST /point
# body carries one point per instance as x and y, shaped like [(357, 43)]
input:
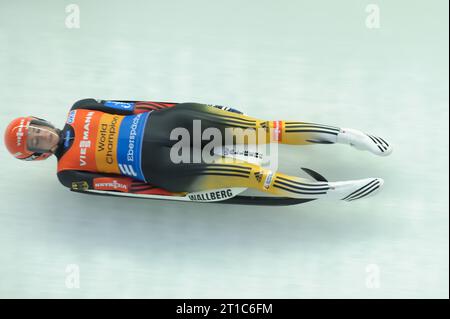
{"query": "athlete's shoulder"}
[(86, 104)]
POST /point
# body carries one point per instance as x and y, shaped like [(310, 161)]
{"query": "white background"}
[(299, 60)]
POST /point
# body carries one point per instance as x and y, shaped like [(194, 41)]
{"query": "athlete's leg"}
[(227, 173), (283, 132), (301, 133)]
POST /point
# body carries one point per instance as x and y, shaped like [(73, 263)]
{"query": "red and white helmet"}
[(16, 136)]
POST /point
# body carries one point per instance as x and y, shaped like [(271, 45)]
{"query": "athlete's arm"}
[(126, 107), (83, 181), (121, 107)]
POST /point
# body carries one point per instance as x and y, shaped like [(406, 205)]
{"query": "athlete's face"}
[(42, 139)]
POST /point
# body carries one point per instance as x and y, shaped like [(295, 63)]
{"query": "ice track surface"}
[(311, 60)]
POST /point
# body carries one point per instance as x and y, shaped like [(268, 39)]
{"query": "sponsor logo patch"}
[(208, 196), (258, 176), (110, 184), (233, 151), (107, 140), (277, 129), (67, 139), (265, 125), (127, 106), (268, 180), (131, 136), (20, 133), (71, 117), (85, 143)]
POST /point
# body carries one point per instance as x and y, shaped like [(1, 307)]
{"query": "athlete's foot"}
[(362, 141), (353, 190)]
